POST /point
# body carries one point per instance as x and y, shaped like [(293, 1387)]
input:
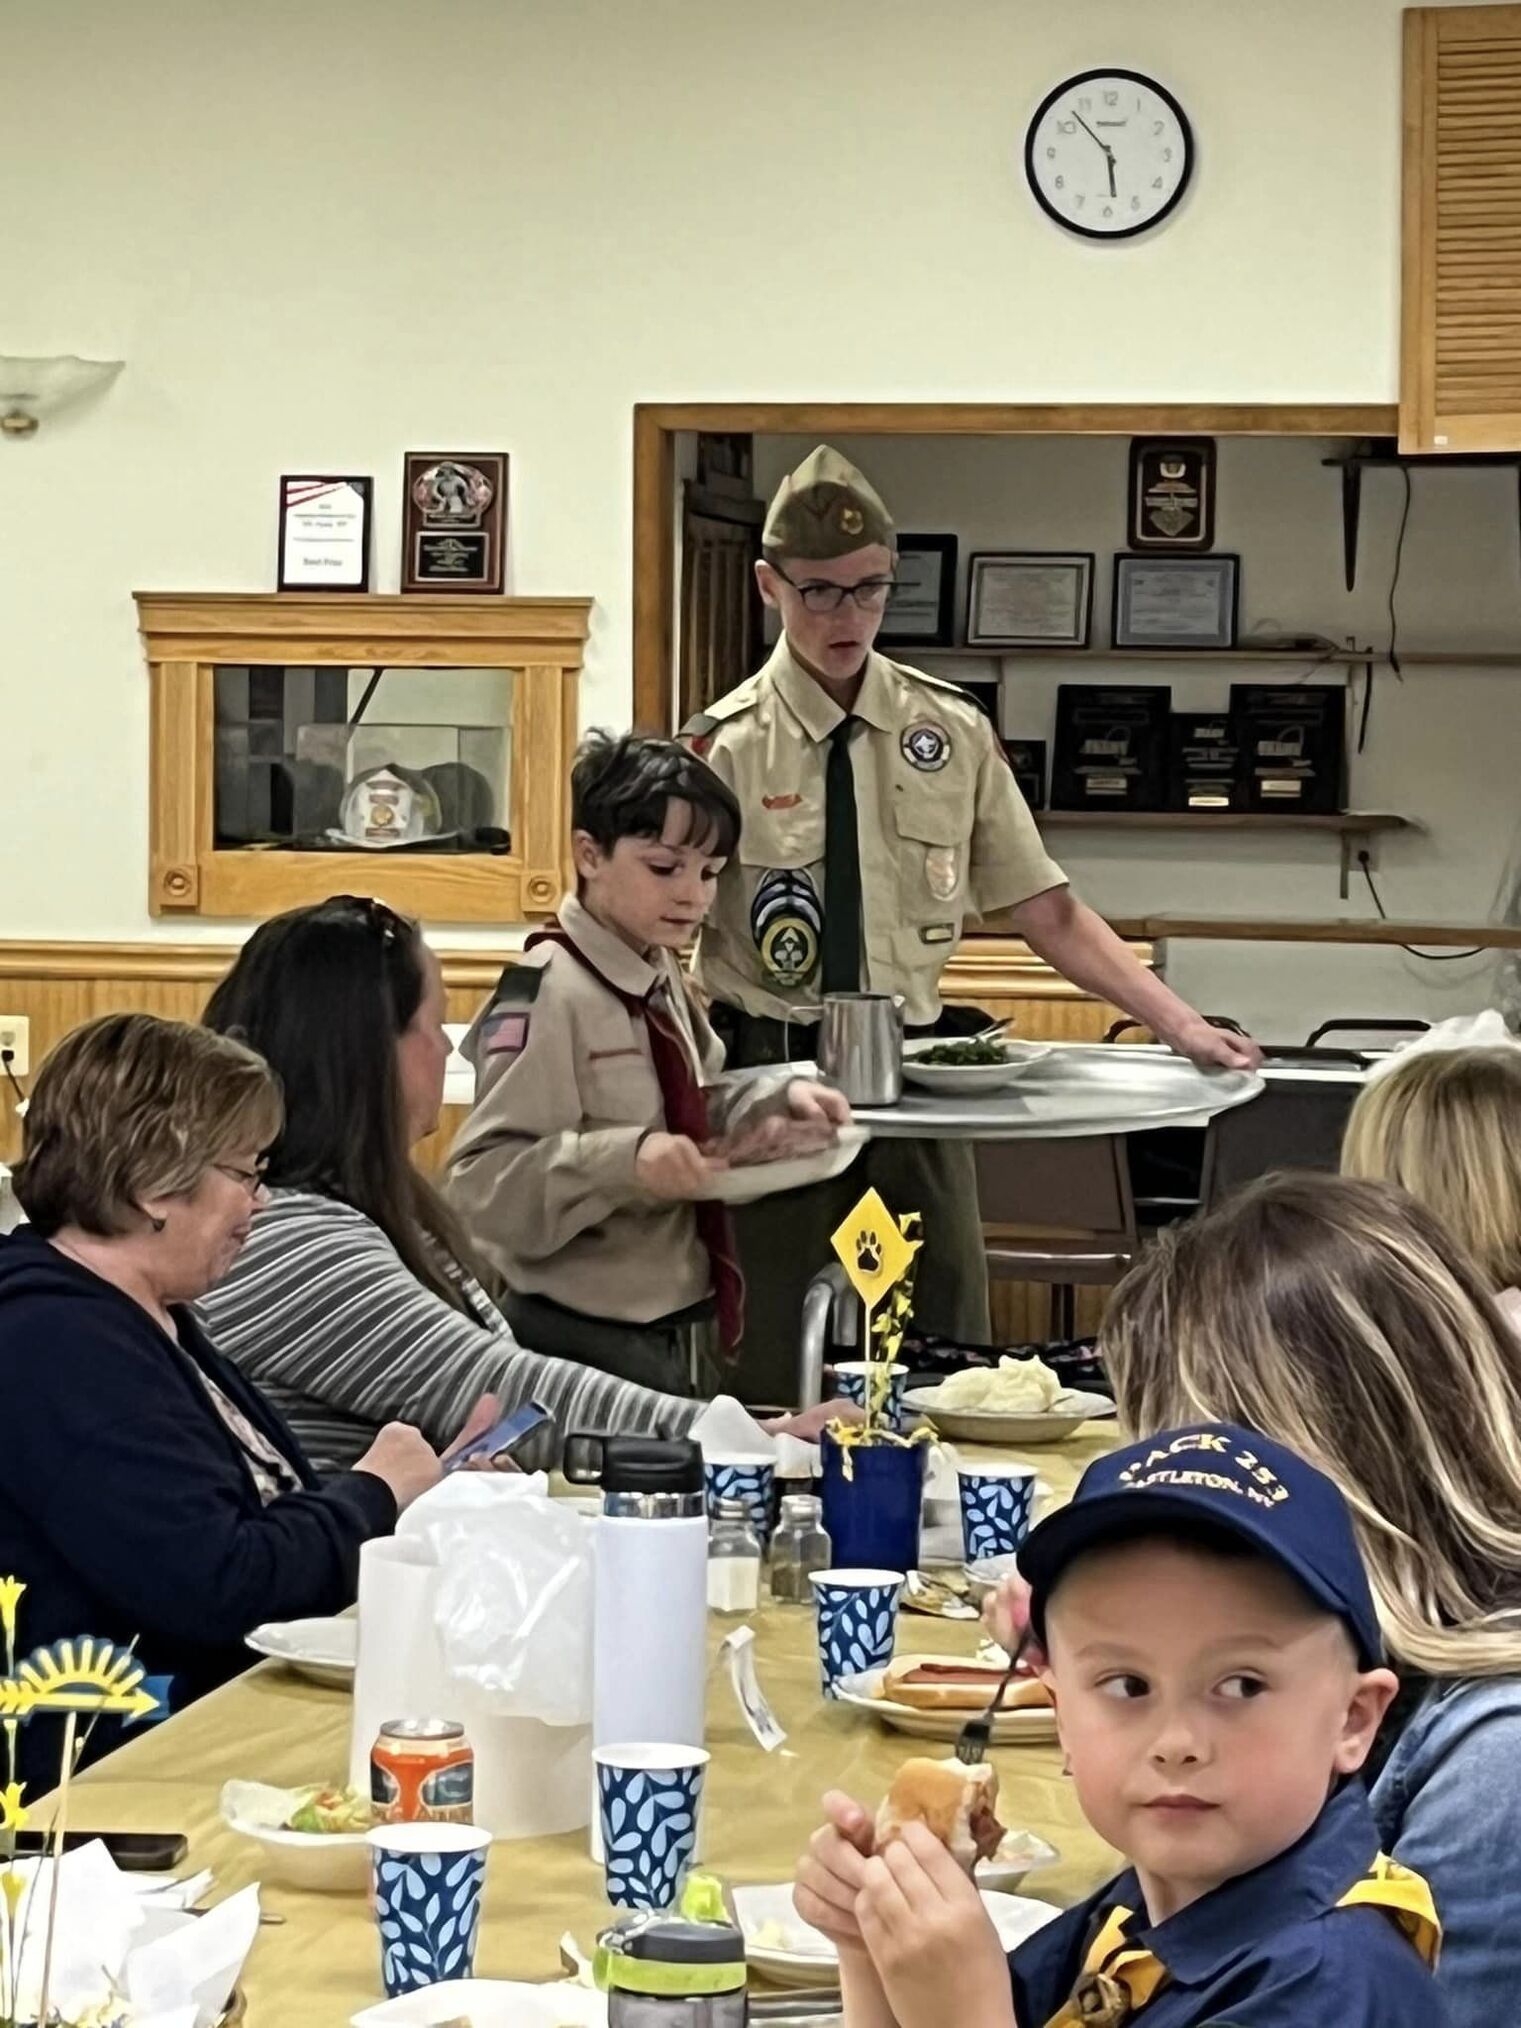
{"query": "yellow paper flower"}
[(11, 1589), (12, 1815), (11, 1886)]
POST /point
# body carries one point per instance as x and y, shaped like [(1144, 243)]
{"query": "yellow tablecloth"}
[(322, 1963)]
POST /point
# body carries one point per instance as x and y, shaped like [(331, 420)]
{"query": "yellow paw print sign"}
[(872, 1250)]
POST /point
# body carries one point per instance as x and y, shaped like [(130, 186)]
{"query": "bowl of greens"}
[(970, 1063)]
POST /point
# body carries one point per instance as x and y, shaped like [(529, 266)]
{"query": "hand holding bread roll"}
[(957, 1804)]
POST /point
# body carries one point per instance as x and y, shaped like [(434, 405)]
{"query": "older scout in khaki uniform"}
[(879, 813)]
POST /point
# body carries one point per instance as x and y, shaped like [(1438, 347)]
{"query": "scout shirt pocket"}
[(933, 824), (781, 849), (619, 1087)]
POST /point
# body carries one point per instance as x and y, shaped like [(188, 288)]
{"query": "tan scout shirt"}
[(542, 1173), (944, 833)]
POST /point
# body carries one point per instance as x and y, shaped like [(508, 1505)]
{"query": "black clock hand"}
[(1089, 131), (1109, 159)]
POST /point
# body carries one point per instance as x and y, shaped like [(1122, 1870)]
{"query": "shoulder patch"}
[(518, 986)]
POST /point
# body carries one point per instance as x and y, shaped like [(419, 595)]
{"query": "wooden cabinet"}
[(1460, 381), (272, 766)]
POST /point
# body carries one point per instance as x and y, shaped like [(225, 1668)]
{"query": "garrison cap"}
[(825, 509)]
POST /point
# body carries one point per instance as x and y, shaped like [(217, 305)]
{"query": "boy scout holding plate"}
[(879, 814)]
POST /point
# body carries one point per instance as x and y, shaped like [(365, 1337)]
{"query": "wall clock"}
[(1109, 153)]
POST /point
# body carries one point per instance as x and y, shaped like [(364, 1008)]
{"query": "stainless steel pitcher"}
[(861, 1046)]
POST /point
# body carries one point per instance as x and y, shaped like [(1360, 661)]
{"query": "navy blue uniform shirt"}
[(1270, 1949)]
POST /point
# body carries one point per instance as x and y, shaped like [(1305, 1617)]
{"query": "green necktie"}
[(842, 868)]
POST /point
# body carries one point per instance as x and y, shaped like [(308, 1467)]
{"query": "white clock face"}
[(1109, 153)]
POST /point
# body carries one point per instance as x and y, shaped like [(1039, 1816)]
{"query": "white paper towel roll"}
[(531, 1780)]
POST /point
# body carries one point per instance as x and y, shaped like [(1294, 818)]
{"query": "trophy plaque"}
[(324, 533), (454, 521), (1172, 493), (1027, 757), (1111, 747), (1202, 761), (1293, 746)]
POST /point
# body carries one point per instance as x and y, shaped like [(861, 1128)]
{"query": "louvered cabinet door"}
[(1461, 340)]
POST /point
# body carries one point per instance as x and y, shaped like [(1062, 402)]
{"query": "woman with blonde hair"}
[(1446, 1126), (1338, 1317)]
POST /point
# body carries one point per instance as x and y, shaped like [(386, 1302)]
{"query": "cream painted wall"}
[(321, 236), (1443, 743)]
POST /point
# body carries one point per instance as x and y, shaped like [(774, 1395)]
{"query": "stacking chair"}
[(1058, 1212)]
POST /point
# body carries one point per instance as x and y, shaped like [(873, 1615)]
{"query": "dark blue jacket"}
[(126, 1505), (1270, 1949)]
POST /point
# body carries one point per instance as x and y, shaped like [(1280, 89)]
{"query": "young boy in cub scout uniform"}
[(1216, 1664), (879, 813), (580, 1173)]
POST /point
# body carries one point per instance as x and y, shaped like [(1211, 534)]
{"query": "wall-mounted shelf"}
[(1327, 658), (1385, 455), (1352, 827)]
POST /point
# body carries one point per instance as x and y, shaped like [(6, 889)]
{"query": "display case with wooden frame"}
[(535, 645)]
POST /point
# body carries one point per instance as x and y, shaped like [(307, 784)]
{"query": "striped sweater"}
[(323, 1315)]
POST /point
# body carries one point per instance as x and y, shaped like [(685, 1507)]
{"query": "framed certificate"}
[(1032, 598), (325, 534), (921, 610), (1175, 601)]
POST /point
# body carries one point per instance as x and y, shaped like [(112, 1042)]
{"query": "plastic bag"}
[(513, 1609)]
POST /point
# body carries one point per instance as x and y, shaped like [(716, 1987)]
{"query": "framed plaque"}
[(1293, 741), (1203, 762), (1172, 493), (1027, 757), (454, 521), (324, 533), (1111, 746), (1175, 601), (921, 611), (1030, 598)]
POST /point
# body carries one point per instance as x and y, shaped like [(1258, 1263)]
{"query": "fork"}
[(976, 1736)]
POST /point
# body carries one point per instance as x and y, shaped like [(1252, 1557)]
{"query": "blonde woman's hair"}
[(1338, 1317), (132, 1107), (1446, 1126)]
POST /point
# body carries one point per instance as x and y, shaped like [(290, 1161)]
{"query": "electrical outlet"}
[(16, 1036)]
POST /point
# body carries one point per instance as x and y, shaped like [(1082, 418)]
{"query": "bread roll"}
[(958, 1804)]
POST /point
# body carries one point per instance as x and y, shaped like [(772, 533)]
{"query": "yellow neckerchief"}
[(1119, 1978)]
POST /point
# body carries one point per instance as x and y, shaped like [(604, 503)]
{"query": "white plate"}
[(765, 1179), (325, 1651), (984, 1426), (964, 1077), (490, 2003), (1031, 1727), (808, 1958), (323, 1862)]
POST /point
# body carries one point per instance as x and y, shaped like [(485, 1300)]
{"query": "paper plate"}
[(489, 2003), (969, 1077), (783, 1948), (765, 1179), (985, 1426), (324, 1651), (1031, 1727)]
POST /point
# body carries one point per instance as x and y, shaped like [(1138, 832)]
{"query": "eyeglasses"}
[(871, 594), (252, 1180)]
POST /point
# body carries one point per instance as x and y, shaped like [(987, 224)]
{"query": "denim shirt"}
[(1448, 1805)]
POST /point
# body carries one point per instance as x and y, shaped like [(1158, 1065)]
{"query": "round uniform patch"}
[(785, 921), (925, 745)]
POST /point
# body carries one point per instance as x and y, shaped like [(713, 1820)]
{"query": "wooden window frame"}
[(187, 635), (657, 424)]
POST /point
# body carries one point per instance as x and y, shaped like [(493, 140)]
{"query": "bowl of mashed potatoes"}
[(1016, 1401)]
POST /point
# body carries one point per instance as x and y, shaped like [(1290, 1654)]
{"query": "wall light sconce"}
[(33, 388)]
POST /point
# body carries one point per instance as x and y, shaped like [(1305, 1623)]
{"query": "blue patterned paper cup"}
[(648, 1798), (428, 1880), (850, 1383), (857, 1619), (995, 1508), (747, 1479)]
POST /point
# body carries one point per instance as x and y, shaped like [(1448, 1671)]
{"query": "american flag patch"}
[(505, 1034)]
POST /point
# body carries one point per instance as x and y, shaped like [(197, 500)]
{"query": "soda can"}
[(422, 1771)]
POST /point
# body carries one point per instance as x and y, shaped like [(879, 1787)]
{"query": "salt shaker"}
[(798, 1547), (734, 1559)]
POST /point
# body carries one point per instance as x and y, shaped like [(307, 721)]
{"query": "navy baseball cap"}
[(1226, 1477)]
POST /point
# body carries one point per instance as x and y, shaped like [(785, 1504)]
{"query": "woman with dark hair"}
[(356, 1301)]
